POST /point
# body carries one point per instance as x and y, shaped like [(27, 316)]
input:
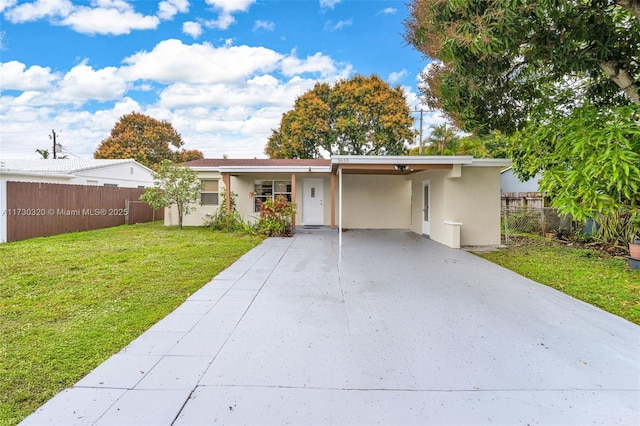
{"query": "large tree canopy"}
[(145, 139), (502, 62), (358, 116)]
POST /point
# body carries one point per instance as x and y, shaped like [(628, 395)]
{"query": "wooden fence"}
[(533, 200), (45, 209)]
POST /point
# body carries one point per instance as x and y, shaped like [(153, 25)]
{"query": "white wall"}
[(376, 202), (244, 185), (130, 175), (473, 199)]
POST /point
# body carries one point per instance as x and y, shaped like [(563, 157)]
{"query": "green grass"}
[(589, 275), (70, 301)]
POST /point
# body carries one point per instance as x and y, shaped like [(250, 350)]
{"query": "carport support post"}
[(226, 179), (340, 207), (293, 200), (333, 201)]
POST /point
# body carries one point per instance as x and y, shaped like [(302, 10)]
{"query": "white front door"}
[(426, 227), (312, 202)]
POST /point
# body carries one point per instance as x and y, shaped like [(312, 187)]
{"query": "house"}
[(125, 173), (454, 200), (515, 193), (16, 201)]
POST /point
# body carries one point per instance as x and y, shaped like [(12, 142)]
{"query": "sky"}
[(222, 72)]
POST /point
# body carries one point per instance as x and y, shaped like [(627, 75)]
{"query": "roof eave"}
[(274, 169)]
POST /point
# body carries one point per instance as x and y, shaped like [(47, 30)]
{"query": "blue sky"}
[(221, 71)]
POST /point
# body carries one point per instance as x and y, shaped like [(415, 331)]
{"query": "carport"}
[(454, 200)]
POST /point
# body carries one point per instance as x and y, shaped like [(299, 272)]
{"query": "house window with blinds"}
[(210, 192)]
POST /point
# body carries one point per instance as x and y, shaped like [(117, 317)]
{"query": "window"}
[(269, 189), (209, 193), (111, 185)]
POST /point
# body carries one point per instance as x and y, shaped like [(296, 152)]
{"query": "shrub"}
[(276, 217), (228, 222)]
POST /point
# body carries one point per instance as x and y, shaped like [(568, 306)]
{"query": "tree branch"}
[(621, 76)]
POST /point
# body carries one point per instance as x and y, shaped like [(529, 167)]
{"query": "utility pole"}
[(56, 146), (420, 141)]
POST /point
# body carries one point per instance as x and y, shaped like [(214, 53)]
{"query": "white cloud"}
[(318, 63), (231, 5), (329, 4), (167, 9), (5, 4), (16, 76), (330, 26), (388, 11), (82, 83), (264, 25), (27, 12), (395, 77), (194, 29), (116, 19), (223, 22), (259, 91), (172, 61)]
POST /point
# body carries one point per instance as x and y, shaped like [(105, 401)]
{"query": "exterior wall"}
[(244, 185), (198, 216), (128, 175), (436, 180), (510, 183), (472, 199), (132, 175), (376, 202)]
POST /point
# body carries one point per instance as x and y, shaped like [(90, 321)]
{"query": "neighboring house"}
[(515, 193), (125, 173), (509, 182), (455, 200)]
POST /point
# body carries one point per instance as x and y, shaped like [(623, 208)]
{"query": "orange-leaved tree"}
[(146, 140), (358, 116)]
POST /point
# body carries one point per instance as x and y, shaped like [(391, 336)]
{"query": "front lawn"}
[(586, 274), (69, 302)]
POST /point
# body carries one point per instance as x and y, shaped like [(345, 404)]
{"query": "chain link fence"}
[(544, 221)]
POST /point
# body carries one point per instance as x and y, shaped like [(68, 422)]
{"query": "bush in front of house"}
[(276, 217)]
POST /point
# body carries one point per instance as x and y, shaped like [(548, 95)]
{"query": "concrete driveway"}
[(390, 329)]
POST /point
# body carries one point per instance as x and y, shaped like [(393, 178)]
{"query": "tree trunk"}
[(179, 215), (632, 6), (623, 79)]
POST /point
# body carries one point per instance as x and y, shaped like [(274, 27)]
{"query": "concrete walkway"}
[(390, 329)]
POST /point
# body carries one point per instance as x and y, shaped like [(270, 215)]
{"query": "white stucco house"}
[(454, 200), (126, 173)]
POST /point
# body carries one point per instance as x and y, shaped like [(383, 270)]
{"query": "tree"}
[(359, 116), (173, 184), (501, 63), (591, 160), (145, 139), (43, 152), (561, 77)]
